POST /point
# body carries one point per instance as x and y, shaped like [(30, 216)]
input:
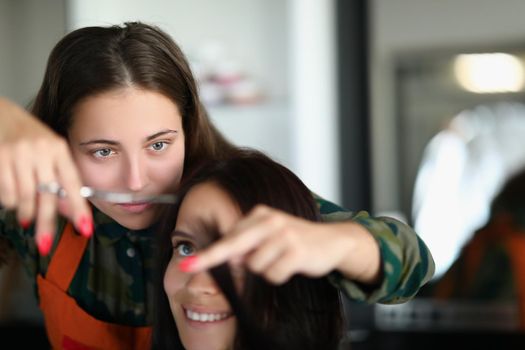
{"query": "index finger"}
[(217, 254), (228, 248)]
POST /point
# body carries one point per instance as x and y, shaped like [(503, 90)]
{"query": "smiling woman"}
[(202, 314), (303, 313)]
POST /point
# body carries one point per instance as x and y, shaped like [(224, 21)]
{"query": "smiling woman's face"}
[(128, 140), (202, 314)]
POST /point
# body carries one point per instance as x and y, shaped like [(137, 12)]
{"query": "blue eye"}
[(103, 152), (158, 146), (185, 249)]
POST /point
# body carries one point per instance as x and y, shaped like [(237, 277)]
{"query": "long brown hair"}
[(303, 313), (94, 60)]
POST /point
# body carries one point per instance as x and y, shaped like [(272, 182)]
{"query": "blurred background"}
[(407, 108)]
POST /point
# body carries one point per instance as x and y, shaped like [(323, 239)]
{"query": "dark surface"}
[(482, 327), (354, 115), (23, 336), (438, 340)]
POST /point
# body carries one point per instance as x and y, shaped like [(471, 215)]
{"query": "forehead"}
[(207, 204), (126, 108)]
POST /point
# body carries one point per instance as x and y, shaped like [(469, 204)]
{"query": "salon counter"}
[(434, 324)]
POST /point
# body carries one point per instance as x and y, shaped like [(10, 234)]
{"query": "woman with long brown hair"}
[(238, 310)]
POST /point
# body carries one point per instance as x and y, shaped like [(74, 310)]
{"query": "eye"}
[(184, 249), (103, 152), (159, 145)]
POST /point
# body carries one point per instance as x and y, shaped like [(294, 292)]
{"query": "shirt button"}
[(130, 252)]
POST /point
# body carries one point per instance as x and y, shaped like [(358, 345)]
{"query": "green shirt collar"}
[(109, 231)]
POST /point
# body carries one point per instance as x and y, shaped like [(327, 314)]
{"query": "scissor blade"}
[(108, 196), (122, 197)]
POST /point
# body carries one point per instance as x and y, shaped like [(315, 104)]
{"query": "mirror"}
[(457, 143), (415, 96), (461, 137)]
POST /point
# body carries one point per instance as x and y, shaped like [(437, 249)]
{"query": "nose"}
[(202, 283), (135, 173)]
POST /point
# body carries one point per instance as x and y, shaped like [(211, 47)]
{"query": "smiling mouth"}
[(206, 316)]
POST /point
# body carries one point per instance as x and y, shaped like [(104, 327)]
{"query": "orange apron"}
[(67, 325)]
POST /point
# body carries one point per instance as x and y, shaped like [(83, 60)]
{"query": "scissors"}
[(108, 196)]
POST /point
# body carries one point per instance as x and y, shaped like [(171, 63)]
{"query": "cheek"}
[(97, 174), (174, 279), (168, 171)]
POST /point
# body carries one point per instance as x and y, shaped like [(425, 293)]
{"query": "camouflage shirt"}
[(114, 281)]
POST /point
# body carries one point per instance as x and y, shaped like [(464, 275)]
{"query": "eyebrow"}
[(115, 143), (198, 239), (206, 233), (161, 133), (182, 234)]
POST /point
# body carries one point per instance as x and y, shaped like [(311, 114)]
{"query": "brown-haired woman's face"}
[(128, 140), (202, 313)]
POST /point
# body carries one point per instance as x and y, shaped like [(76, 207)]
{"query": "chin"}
[(205, 342), (135, 223), (217, 337), (200, 346), (132, 221)]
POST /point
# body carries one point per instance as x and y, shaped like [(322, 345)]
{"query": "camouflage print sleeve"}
[(407, 262)]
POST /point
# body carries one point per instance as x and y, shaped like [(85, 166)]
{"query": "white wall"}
[(399, 25), (314, 96), (28, 31)]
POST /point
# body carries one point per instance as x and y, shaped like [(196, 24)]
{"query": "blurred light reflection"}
[(489, 72), (463, 168)]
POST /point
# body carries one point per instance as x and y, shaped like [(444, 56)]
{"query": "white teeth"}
[(205, 317)]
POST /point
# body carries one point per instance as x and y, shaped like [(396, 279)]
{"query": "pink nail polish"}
[(85, 226), (188, 264), (44, 243)]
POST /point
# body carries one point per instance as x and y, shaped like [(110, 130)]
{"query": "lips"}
[(135, 207)]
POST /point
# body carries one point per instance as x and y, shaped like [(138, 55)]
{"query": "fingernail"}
[(188, 264), (44, 243), (85, 226), (25, 223)]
